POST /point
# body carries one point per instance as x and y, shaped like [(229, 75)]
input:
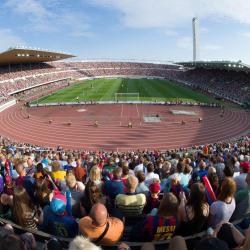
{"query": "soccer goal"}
[(127, 97)]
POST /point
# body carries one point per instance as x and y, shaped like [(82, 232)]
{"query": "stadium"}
[(123, 152), (166, 109)]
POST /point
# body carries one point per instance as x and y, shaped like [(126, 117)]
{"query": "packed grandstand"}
[(187, 198)]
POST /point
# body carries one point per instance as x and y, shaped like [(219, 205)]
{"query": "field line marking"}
[(137, 110), (122, 111)]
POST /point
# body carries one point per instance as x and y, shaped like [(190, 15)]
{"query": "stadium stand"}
[(35, 185), (135, 196)]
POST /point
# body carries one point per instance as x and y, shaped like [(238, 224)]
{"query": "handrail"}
[(132, 244)]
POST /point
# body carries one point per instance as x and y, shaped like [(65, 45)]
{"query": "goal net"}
[(127, 97)]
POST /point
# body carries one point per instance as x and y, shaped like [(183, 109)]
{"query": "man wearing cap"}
[(101, 228), (241, 179), (56, 219), (153, 200)]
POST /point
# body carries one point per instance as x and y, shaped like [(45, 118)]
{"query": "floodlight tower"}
[(196, 39)]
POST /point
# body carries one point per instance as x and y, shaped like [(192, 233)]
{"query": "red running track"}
[(113, 133)]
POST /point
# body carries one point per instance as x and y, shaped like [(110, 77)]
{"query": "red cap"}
[(245, 165), (155, 187)]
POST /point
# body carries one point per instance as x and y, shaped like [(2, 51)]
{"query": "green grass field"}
[(104, 90)]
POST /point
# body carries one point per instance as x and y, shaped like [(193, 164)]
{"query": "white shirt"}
[(150, 177), (140, 167), (241, 181)]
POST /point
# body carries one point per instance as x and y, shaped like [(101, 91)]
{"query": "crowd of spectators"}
[(232, 85), (133, 196), (227, 84)]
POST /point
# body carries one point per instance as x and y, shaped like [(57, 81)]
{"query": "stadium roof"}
[(28, 55), (228, 65)]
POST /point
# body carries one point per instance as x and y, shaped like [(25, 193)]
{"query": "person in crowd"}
[(240, 179), (115, 186), (130, 203), (57, 174), (153, 200), (242, 199), (76, 189), (42, 192), (30, 170), (70, 163), (223, 208), (57, 220), (125, 172), (21, 174), (141, 187), (101, 228), (160, 226), (141, 166), (80, 171), (95, 176), (24, 212), (185, 176), (93, 194), (228, 171), (194, 212), (200, 172), (81, 243), (150, 176), (40, 172), (214, 181)]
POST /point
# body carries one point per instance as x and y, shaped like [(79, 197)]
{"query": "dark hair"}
[(214, 181), (117, 173), (141, 176), (22, 206), (93, 194), (187, 169), (125, 170), (228, 171), (180, 167), (168, 205), (42, 190), (197, 199), (150, 167)]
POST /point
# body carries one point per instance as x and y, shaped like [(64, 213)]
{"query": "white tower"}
[(196, 39)]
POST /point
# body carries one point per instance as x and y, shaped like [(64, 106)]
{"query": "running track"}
[(113, 133)]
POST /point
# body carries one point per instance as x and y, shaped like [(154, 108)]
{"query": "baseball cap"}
[(155, 187), (58, 203), (245, 165)]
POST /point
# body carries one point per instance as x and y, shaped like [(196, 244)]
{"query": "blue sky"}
[(129, 29)]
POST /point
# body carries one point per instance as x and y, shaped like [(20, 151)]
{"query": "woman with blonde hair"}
[(95, 176), (24, 212), (223, 208)]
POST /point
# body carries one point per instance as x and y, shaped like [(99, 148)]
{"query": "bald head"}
[(99, 214), (131, 183)]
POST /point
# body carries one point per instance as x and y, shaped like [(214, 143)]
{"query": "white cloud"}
[(170, 33), (32, 7), (203, 30), (8, 38), (184, 42), (245, 34), (50, 16), (172, 13), (210, 47)]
